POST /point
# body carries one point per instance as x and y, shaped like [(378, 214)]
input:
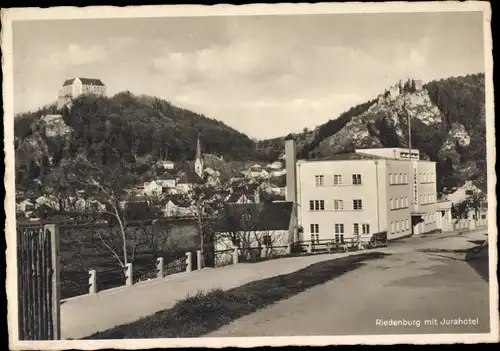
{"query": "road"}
[(423, 283), (85, 315)]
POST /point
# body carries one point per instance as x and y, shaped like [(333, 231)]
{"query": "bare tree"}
[(108, 185)]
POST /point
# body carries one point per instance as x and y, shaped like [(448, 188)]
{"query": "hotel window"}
[(338, 205), (406, 201), (337, 179), (396, 203), (356, 179), (366, 229), (319, 180), (392, 227), (391, 202), (405, 178), (400, 178), (339, 232), (357, 204), (390, 179), (407, 224), (356, 229), (397, 226), (317, 205), (401, 202), (314, 228), (315, 238)]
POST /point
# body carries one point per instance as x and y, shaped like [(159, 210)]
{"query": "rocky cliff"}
[(447, 123)]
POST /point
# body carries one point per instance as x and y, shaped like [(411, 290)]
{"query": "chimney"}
[(291, 171)]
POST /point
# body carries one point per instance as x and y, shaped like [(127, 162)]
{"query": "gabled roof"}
[(190, 177), (178, 200), (262, 216), (85, 81)]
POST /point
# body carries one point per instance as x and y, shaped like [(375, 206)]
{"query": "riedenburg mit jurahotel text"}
[(432, 321)]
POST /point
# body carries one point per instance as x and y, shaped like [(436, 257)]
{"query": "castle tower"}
[(198, 162)]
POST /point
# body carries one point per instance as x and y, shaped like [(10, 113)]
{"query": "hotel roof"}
[(347, 157)]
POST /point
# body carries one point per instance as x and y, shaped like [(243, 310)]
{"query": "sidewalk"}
[(85, 315)]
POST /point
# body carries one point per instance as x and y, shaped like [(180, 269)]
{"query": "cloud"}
[(74, 54)]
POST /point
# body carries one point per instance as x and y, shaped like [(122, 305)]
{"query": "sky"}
[(265, 76)]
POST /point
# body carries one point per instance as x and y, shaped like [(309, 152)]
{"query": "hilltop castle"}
[(77, 86), (411, 85)]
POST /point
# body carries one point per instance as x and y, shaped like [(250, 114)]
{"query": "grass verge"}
[(208, 311)]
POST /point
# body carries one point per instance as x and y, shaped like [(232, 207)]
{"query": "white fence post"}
[(199, 259), (128, 274), (263, 251), (328, 247), (189, 263), (309, 248), (159, 267), (235, 255), (92, 281), (289, 249)]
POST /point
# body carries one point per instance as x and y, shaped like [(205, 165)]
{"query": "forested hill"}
[(123, 127), (447, 123)]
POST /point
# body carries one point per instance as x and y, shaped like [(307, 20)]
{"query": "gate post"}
[(128, 274), (92, 281), (235, 255), (199, 259), (189, 263), (159, 267), (263, 251), (56, 292)]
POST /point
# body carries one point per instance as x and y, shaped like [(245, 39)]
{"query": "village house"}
[(25, 207), (464, 193), (277, 165), (253, 225), (159, 186), (177, 208), (49, 201), (277, 173), (256, 171), (188, 179), (165, 165)]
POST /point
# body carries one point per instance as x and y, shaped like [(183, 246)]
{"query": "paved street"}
[(407, 284), (85, 315), (422, 280)]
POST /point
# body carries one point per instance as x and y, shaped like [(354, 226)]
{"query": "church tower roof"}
[(199, 155)]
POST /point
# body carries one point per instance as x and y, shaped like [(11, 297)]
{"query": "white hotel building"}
[(366, 192)]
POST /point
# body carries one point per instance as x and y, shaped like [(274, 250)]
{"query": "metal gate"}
[(38, 282)]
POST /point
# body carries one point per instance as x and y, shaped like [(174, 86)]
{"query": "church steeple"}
[(198, 162)]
